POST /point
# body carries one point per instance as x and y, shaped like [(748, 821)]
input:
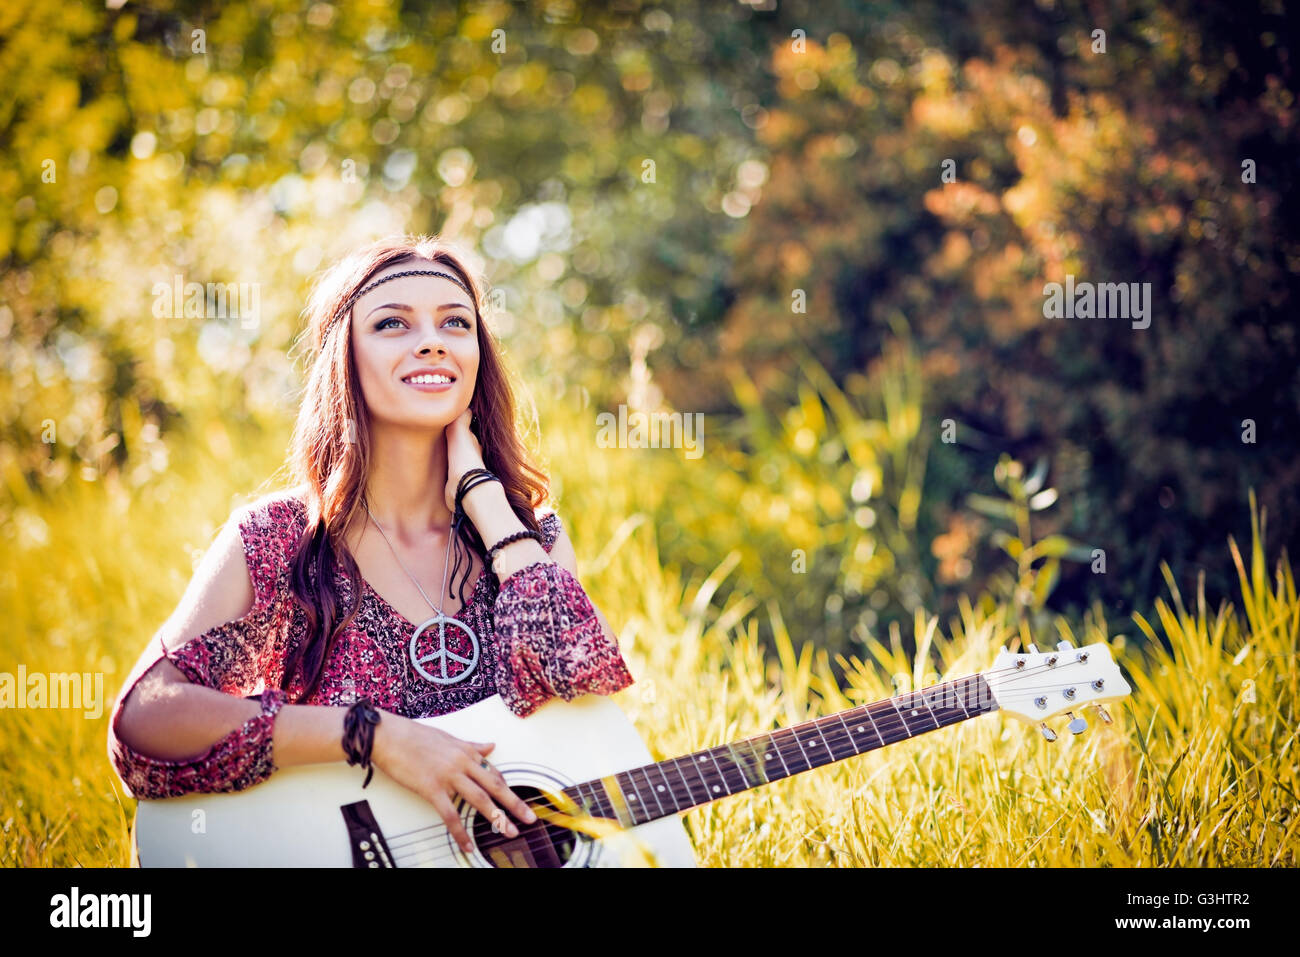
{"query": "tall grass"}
[(1199, 768)]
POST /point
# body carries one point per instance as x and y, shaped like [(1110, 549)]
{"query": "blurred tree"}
[(1127, 165)]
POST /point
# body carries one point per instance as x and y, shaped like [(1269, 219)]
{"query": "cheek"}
[(369, 364), (469, 361)]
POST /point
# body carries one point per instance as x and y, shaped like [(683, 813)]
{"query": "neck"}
[(406, 488)]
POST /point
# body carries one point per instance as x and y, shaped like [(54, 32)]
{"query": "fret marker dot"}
[(661, 787), (859, 728), (703, 758), (631, 797), (768, 756), (716, 788), (915, 712)]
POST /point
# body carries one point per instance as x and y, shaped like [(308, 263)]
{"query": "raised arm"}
[(553, 641)]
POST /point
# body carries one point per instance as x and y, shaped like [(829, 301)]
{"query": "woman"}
[(305, 607)]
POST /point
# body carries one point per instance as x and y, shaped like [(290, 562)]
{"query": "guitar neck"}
[(668, 787)]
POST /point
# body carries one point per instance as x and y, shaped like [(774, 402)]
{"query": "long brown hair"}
[(329, 454)]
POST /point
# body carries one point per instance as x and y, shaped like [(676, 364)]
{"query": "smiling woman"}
[(332, 599)]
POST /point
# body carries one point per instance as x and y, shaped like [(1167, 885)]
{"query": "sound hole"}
[(540, 844)]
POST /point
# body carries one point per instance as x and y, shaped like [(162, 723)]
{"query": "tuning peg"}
[(1063, 646), (1048, 733), (1076, 725), (1102, 713)]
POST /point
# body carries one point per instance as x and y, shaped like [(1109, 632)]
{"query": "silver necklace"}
[(440, 652)]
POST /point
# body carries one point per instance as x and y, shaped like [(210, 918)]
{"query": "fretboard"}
[(667, 787)]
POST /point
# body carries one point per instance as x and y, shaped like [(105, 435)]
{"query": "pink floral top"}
[(538, 634)]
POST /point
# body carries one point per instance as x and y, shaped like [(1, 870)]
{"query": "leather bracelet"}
[(473, 484), (359, 735), (469, 474), (471, 480)]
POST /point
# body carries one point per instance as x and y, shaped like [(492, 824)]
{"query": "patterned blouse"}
[(538, 635)]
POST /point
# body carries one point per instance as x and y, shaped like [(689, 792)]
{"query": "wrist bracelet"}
[(471, 479), (517, 536), (474, 483), (469, 474), (359, 735)]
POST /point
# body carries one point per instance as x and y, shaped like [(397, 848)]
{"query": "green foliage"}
[(1037, 563), (1122, 166), (814, 491)]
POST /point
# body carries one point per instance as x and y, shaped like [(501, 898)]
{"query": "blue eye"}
[(383, 322)]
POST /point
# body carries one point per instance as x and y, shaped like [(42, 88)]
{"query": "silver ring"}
[(482, 762)]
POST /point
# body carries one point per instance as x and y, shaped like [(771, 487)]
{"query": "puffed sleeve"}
[(550, 640), (243, 658)]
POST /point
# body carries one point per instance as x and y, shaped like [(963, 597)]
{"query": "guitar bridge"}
[(369, 849)]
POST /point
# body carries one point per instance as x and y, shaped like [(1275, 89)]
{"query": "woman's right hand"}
[(437, 767)]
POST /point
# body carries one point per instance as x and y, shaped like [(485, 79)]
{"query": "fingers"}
[(442, 803), (480, 799), (495, 782), (465, 775)]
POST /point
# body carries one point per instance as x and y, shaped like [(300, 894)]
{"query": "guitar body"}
[(320, 816)]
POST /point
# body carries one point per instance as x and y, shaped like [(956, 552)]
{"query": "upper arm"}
[(220, 591)]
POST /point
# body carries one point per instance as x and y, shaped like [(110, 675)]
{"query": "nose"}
[(431, 339)]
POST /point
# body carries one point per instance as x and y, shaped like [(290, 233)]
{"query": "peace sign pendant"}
[(441, 653)]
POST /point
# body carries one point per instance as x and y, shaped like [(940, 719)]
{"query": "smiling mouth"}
[(429, 380)]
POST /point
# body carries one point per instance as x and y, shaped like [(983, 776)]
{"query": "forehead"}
[(428, 292)]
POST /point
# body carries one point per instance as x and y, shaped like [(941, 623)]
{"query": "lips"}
[(425, 378), (431, 386)]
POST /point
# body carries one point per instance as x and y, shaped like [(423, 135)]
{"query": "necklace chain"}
[(445, 567), (442, 652)]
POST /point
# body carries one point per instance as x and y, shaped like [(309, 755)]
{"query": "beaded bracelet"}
[(517, 536), (359, 735)]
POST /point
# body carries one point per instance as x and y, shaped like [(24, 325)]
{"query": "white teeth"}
[(428, 379)]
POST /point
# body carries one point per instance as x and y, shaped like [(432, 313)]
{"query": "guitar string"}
[(890, 724), (895, 722), (536, 838), (424, 851)]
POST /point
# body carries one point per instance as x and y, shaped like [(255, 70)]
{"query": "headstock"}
[(1035, 685)]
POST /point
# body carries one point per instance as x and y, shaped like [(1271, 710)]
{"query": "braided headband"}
[(398, 275)]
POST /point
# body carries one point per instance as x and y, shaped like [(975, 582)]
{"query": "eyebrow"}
[(405, 308)]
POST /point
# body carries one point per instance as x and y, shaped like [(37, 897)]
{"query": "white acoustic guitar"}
[(600, 798)]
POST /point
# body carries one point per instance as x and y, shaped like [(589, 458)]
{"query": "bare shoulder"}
[(220, 591)]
